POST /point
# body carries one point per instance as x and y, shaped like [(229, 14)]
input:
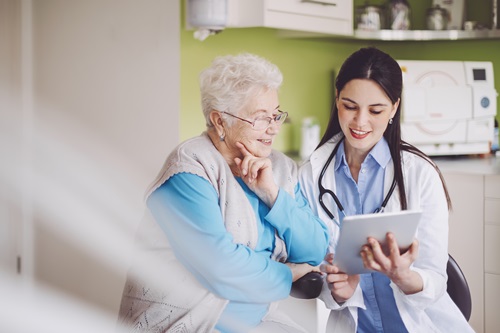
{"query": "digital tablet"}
[(357, 228)]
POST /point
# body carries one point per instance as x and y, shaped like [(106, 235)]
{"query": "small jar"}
[(399, 15), (437, 18), (369, 17), (470, 25)]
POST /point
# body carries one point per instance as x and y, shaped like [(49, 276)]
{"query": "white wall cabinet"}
[(474, 187), (466, 236), (331, 17), (492, 252)]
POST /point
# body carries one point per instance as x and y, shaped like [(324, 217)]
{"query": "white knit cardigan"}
[(160, 294)]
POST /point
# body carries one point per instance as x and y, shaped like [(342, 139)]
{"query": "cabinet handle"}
[(322, 2)]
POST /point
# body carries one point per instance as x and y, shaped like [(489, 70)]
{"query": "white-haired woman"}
[(229, 226)]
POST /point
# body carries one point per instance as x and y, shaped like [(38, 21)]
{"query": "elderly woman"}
[(230, 230)]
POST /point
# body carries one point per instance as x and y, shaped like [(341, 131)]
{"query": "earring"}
[(221, 137), (390, 121)]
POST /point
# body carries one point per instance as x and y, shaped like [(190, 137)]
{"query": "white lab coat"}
[(431, 310)]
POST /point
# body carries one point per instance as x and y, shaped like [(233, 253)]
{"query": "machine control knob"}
[(485, 102)]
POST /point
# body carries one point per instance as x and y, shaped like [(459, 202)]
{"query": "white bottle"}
[(310, 137), (494, 144)]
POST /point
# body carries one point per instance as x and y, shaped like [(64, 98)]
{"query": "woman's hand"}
[(257, 173), (342, 286), (299, 270), (395, 265)]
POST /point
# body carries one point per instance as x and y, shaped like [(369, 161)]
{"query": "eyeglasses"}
[(263, 122)]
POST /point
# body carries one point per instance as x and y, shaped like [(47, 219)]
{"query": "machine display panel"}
[(479, 74)]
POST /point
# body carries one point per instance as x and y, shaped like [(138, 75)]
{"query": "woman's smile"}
[(357, 134), (267, 142)]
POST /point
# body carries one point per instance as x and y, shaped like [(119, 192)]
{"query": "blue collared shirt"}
[(364, 197)]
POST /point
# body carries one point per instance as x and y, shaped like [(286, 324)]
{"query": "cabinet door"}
[(492, 224), (492, 303), (320, 8), (492, 248), (320, 16), (332, 17), (466, 236), (9, 235), (11, 136), (492, 253)]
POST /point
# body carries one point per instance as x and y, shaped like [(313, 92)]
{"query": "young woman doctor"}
[(359, 159)]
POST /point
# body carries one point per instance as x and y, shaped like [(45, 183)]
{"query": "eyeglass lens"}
[(261, 123)]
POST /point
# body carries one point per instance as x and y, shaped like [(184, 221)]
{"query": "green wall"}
[(307, 66)]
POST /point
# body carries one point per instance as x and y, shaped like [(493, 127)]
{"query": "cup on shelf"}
[(470, 25), (437, 18), (399, 15), (369, 17)]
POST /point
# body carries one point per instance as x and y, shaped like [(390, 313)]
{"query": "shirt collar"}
[(340, 161), (380, 153)]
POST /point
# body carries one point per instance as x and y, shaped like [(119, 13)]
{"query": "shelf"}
[(419, 35), (399, 35)]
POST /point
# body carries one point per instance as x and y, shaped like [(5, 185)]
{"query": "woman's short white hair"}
[(229, 83)]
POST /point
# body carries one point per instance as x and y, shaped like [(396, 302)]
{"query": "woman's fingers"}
[(250, 165), (243, 149), (337, 278), (368, 258), (341, 285), (242, 163), (376, 250), (299, 270), (392, 246), (388, 260), (373, 255), (316, 269), (329, 269), (329, 258), (256, 165)]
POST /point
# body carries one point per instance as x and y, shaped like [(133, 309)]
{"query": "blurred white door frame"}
[(16, 116), (113, 68)]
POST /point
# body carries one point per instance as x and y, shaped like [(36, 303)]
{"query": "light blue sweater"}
[(248, 278)]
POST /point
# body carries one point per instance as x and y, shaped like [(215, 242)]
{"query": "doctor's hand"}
[(257, 173), (342, 286), (392, 263)]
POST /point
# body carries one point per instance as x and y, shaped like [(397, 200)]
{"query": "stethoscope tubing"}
[(323, 190)]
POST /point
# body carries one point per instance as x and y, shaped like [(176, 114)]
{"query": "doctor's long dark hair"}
[(373, 64)]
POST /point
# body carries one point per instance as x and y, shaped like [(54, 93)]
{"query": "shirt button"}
[(363, 170)]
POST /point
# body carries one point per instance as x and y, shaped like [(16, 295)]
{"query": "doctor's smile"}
[(359, 134)]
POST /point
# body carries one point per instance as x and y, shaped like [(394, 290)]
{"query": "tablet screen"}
[(357, 228)]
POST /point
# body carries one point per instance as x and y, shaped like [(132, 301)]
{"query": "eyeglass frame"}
[(279, 122)]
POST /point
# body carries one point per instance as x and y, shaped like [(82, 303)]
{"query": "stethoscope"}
[(323, 190)]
